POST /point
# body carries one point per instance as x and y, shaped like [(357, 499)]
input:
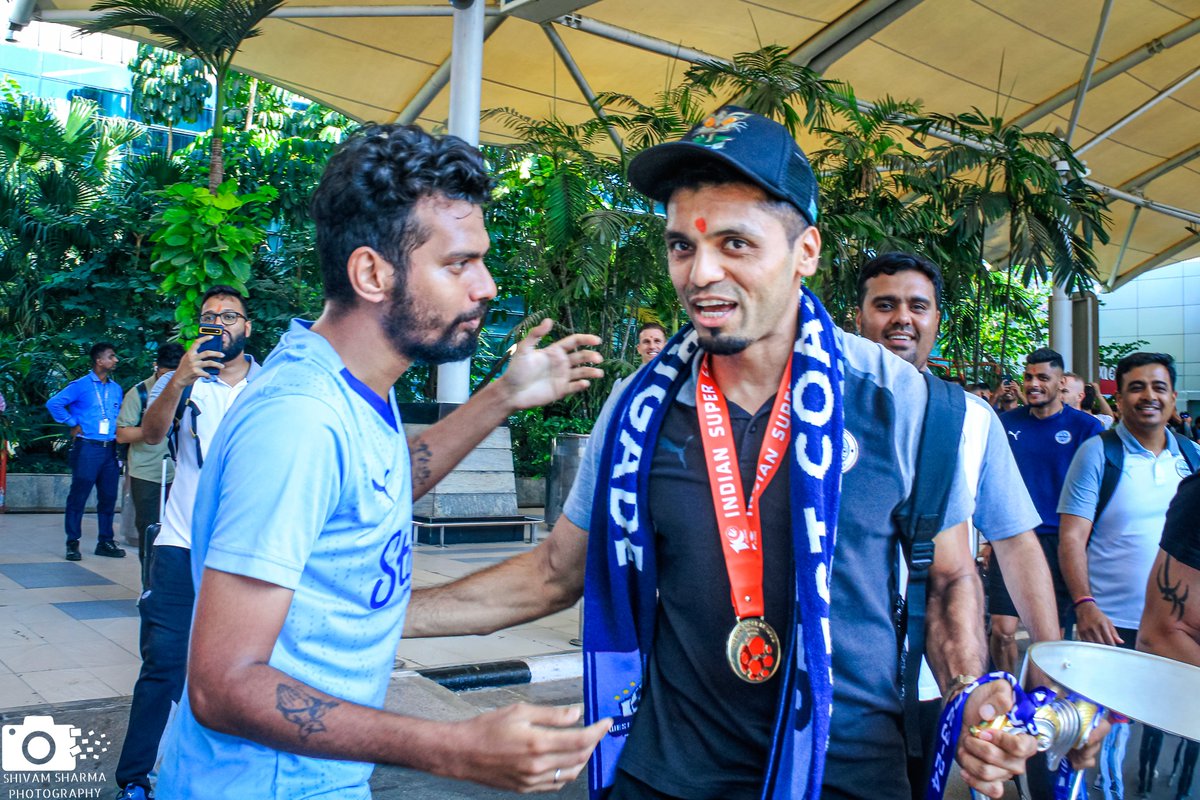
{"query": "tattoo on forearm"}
[(422, 455), (302, 709), (1170, 592)]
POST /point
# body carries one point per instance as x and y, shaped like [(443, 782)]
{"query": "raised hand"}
[(540, 375), (194, 363)]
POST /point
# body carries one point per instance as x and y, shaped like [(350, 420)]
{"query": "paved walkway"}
[(69, 631), (68, 649)]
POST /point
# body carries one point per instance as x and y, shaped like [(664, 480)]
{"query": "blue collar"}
[(381, 405)]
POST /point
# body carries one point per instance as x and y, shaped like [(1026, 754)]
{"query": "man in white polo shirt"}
[(1109, 536), (206, 383)]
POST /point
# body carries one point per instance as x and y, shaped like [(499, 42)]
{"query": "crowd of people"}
[(775, 526)]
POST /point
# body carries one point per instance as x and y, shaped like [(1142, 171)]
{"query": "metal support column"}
[(1060, 325), (466, 89), (1086, 80)]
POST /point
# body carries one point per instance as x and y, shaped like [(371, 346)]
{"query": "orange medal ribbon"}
[(753, 647)]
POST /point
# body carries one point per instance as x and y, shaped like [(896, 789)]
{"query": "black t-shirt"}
[(694, 710), (701, 732), (1181, 535)]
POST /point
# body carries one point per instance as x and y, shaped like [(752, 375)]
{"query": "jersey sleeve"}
[(278, 477), (1003, 506), (1081, 487), (578, 507), (1181, 534)]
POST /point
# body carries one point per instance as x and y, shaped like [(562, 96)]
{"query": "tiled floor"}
[(69, 631)]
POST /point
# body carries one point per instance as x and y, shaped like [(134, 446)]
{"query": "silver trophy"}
[(1143, 687)]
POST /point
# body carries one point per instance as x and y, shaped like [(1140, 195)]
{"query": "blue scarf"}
[(620, 591)]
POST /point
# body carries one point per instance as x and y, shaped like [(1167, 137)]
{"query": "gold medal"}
[(753, 650)]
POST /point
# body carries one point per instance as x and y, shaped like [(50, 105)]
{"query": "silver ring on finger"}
[(557, 773)]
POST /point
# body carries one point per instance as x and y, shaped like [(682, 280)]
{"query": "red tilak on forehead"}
[(701, 225)]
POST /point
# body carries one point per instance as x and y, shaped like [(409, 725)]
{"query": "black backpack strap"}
[(143, 395), (1188, 451), (173, 434), (1114, 461), (920, 520)]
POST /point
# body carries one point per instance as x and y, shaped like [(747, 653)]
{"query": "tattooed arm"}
[(535, 376), (233, 689), (1171, 617)]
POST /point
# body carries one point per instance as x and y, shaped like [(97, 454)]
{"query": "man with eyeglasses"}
[(196, 401)]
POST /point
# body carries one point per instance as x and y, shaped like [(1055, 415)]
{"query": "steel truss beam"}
[(1159, 259), (1121, 65)]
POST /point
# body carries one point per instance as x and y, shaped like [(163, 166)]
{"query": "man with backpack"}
[(150, 467), (1113, 507), (899, 307), (186, 405)]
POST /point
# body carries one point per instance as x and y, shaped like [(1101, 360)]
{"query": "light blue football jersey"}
[(307, 485)]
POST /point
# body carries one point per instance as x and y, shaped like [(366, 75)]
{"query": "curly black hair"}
[(370, 186)]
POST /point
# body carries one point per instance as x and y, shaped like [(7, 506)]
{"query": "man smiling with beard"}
[(303, 549)]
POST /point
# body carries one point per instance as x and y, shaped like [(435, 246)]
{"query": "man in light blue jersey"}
[(302, 530)]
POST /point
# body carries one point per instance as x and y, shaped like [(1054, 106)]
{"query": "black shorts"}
[(1000, 602)]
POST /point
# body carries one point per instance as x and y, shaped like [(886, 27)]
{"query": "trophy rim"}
[(1142, 686)]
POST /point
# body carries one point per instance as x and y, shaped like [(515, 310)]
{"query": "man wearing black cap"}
[(720, 628)]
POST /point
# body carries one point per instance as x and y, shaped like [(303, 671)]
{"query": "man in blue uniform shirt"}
[(89, 406), (302, 529), (1044, 435)]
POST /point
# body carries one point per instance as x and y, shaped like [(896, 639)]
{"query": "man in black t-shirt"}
[(1171, 616)]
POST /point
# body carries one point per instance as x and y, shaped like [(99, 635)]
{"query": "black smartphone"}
[(1089, 397), (216, 343)]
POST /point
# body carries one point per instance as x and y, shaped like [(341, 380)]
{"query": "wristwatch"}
[(957, 684)]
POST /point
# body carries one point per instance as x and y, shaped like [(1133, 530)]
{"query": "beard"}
[(408, 326), (236, 346), (722, 345)]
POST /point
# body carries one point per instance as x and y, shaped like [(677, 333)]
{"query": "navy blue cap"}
[(758, 148)]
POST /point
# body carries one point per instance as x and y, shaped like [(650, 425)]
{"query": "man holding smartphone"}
[(211, 375)]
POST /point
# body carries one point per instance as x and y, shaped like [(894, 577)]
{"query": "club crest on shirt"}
[(1182, 468), (849, 450), (1063, 437)]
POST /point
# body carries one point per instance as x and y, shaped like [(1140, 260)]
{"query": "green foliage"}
[(1110, 354), (168, 87), (210, 30), (533, 439), (204, 239)]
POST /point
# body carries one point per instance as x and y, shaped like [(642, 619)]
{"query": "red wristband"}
[(1087, 598)]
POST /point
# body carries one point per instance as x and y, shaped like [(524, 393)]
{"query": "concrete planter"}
[(531, 492), (29, 492)]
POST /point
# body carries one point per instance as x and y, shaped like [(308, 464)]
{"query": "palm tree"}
[(768, 83), (870, 201), (1030, 182), (210, 30)]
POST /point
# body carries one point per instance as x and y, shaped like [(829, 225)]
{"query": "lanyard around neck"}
[(738, 523)]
